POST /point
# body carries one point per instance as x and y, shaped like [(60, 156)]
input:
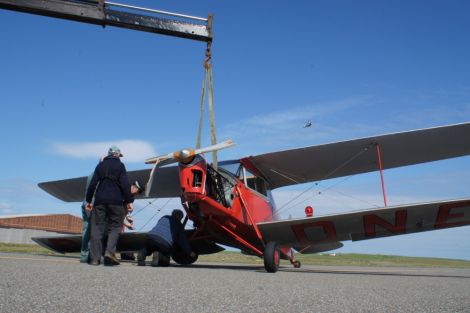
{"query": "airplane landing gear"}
[(183, 259), (296, 264), (272, 256)]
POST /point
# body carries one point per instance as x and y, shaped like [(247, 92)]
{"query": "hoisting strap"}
[(208, 82)]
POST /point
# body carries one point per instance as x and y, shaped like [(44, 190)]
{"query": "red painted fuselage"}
[(225, 205)]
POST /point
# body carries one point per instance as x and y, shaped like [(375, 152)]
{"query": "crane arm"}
[(104, 13)]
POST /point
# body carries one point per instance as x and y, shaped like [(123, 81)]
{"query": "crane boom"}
[(104, 13)]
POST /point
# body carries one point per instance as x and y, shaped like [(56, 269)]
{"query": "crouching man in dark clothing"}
[(111, 188), (167, 234)]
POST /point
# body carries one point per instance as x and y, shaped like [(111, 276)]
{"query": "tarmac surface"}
[(37, 283)]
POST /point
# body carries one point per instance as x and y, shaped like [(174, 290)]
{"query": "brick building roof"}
[(59, 223)]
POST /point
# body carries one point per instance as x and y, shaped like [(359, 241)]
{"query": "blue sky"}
[(69, 90)]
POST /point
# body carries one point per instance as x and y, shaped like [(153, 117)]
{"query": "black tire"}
[(159, 259), (272, 256), (184, 259)]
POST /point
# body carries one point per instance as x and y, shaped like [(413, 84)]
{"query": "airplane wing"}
[(325, 233), (345, 158), (165, 185), (313, 163), (132, 241)]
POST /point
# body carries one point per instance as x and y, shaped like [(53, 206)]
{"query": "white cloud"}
[(5, 208), (295, 116), (133, 150), (284, 128)]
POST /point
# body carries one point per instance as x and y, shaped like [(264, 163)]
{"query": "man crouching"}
[(164, 236)]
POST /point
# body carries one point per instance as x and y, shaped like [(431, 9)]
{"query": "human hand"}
[(88, 207), (130, 207)]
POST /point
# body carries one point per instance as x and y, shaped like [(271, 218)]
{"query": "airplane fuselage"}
[(225, 205)]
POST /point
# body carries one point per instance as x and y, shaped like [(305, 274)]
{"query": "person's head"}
[(114, 151), (137, 188), (177, 214)]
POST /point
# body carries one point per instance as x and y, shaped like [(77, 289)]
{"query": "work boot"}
[(110, 259), (155, 257), (141, 257), (127, 256)]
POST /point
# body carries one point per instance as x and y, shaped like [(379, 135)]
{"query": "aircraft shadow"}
[(235, 267), (287, 269), (368, 272)]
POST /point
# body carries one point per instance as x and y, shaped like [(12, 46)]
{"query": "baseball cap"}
[(113, 150)]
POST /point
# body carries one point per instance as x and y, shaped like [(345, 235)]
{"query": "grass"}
[(342, 260), (306, 259), (28, 248)]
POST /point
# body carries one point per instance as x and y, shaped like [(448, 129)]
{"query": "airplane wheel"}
[(297, 264), (184, 259), (159, 259), (272, 256)]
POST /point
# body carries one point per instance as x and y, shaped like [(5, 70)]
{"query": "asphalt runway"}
[(36, 283)]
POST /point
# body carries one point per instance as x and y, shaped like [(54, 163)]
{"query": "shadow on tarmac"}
[(398, 272), (372, 272)]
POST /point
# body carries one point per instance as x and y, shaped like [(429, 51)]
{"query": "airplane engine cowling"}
[(193, 177)]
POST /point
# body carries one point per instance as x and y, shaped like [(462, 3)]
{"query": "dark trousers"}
[(106, 221), (154, 243)]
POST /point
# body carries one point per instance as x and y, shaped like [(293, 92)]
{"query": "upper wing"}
[(345, 158), (165, 185), (324, 232)]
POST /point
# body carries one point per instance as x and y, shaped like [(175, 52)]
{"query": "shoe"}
[(94, 262), (110, 259), (127, 256), (141, 257), (155, 257)]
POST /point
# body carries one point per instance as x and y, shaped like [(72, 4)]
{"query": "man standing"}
[(86, 229), (85, 250), (164, 236), (107, 212)]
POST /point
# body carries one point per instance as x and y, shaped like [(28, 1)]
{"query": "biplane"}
[(233, 205)]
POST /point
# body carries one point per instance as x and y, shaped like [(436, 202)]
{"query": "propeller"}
[(184, 155)]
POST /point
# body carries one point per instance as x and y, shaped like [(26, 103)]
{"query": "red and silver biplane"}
[(233, 205)]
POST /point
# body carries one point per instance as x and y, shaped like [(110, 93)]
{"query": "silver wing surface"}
[(132, 241), (324, 233), (73, 243), (166, 185), (345, 158)]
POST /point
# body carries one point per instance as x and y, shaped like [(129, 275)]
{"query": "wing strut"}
[(379, 156), (255, 226)]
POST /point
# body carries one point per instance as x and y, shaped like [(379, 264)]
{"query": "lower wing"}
[(127, 242), (323, 233)]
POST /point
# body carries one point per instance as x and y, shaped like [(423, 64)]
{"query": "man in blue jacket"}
[(164, 236), (110, 187)]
